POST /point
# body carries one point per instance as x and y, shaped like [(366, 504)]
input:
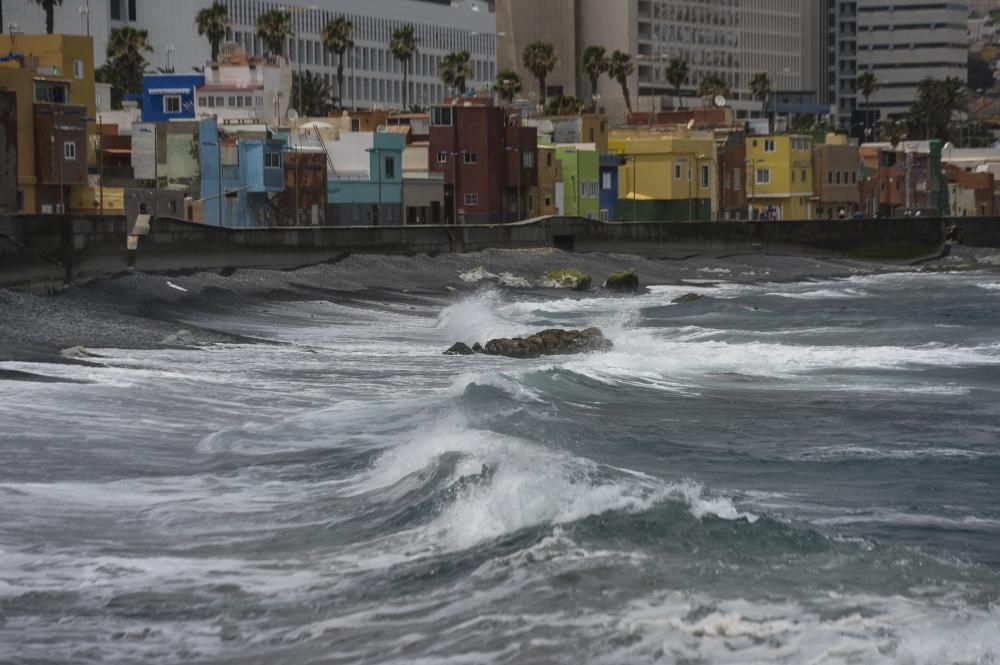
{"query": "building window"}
[(704, 175), (528, 160), (838, 177), (472, 199), (677, 171), (230, 154), (443, 157), (769, 145), (605, 215), (390, 167), (470, 157), (805, 176), (69, 151), (131, 10), (116, 10), (172, 104), (854, 177), (548, 158), (737, 180), (442, 116), (78, 69), (548, 201), (763, 176), (272, 160), (607, 182), (829, 177)]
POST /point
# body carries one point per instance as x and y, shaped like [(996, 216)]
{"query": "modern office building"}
[(733, 38), (373, 77), (901, 43)]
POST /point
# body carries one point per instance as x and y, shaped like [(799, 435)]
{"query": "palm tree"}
[(867, 84), (508, 84), (274, 28), (50, 10), (595, 63), (213, 22), (893, 131), (317, 94), (126, 61), (760, 87), (620, 68), (404, 46), (677, 76), (455, 69), (338, 37), (712, 86), (564, 105), (540, 59)]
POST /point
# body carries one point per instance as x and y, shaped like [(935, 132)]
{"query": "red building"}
[(488, 160), (731, 152)]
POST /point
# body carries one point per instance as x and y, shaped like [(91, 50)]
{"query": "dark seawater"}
[(778, 473)]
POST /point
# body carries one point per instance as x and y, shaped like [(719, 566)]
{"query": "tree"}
[(125, 61), (338, 38), (892, 130), (540, 59), (564, 105), (50, 13), (620, 68), (677, 76), (508, 84), (980, 73), (595, 63), (712, 86), (274, 28), (937, 103), (867, 84), (403, 45), (317, 94), (455, 68), (213, 22), (760, 87)]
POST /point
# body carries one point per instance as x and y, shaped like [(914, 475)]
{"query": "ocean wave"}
[(840, 453), (481, 274), (821, 294)]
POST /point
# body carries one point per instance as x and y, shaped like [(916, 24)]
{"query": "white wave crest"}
[(481, 274), (476, 319)]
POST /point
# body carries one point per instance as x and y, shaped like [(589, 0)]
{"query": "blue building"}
[(252, 173), (366, 186), (609, 186), (169, 96)]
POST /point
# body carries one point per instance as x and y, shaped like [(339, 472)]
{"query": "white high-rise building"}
[(372, 76), (903, 43), (733, 38)]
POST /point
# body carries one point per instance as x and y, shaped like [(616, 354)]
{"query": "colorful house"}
[(547, 198), (365, 187), (69, 57), (609, 166), (581, 179), (780, 177), (168, 97), (666, 175), (248, 171)]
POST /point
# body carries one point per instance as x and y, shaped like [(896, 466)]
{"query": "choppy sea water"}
[(777, 473)]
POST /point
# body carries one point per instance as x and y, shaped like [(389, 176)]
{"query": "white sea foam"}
[(821, 294), (481, 274), (477, 318)]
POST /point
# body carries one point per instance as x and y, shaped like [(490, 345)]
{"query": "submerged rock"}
[(545, 343), (568, 279), (686, 298), (627, 280), (459, 349)]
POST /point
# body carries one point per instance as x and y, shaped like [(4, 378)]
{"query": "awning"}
[(171, 91)]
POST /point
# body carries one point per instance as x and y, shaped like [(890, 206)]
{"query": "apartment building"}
[(372, 76), (733, 38)]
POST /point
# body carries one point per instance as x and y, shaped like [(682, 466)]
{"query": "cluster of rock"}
[(545, 343), (627, 280)]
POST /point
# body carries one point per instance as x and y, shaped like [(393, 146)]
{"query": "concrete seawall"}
[(84, 247)]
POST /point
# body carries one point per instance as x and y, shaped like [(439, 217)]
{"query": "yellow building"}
[(780, 176), (69, 57), (667, 175), (59, 70)]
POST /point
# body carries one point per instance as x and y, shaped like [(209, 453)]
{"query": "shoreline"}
[(153, 310)]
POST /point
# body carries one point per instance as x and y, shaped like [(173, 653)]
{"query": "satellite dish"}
[(293, 114), (691, 123), (720, 101)]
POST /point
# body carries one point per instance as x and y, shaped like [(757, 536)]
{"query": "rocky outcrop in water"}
[(627, 281), (686, 298), (553, 342), (567, 279)]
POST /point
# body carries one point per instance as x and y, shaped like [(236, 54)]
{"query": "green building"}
[(581, 167)]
